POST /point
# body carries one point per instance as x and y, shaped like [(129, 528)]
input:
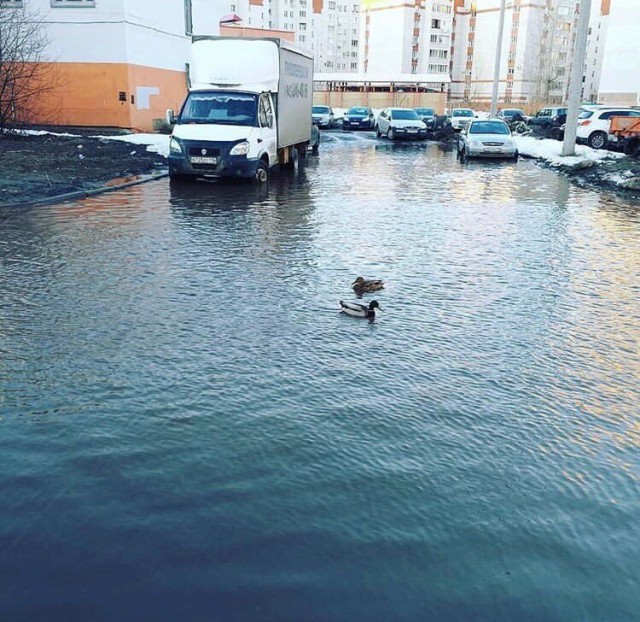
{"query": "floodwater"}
[(189, 430)]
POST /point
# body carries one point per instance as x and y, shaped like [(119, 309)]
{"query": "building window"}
[(188, 17), (354, 42), (71, 3), (302, 25), (233, 8), (435, 23)]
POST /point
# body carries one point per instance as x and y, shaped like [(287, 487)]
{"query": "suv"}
[(594, 124), (548, 119), (400, 123)]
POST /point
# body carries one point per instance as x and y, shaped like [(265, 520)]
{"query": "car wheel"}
[(463, 155), (391, 134), (262, 173), (597, 140), (378, 132), (516, 156)]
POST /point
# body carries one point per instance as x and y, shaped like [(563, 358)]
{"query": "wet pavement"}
[(190, 430)]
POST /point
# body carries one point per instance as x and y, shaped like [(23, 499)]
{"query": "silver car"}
[(487, 139)]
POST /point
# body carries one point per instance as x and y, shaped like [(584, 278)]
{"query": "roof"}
[(386, 77)]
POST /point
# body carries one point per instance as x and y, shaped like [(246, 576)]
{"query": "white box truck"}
[(248, 109)]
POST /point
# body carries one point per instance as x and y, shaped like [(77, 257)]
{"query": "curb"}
[(84, 194)]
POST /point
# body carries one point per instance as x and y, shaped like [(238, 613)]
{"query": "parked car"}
[(594, 125), (508, 114), (428, 116), (323, 116), (491, 138), (400, 123), (461, 117), (359, 118), (548, 119)]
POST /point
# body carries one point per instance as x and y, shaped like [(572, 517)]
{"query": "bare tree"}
[(24, 75)]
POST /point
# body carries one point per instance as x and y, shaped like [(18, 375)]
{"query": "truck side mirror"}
[(171, 118)]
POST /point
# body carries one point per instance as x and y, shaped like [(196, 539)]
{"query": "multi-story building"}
[(536, 54), (400, 37), (596, 41), (620, 76), (118, 63), (330, 28)]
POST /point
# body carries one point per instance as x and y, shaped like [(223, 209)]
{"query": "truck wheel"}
[(262, 173), (597, 140)]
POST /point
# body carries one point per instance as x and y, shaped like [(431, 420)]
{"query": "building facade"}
[(116, 63), (401, 37), (328, 27), (537, 50), (620, 77), (596, 42)]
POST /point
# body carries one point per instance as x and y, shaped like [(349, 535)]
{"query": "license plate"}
[(202, 160), (493, 149), (354, 122), (413, 131)]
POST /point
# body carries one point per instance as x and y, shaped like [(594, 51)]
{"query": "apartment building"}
[(116, 63), (596, 42), (620, 76), (537, 50), (329, 28), (400, 37)]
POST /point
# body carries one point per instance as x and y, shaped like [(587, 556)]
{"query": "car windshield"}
[(585, 114), (512, 113), (489, 127), (320, 109), (404, 115), (220, 108), (462, 113), (359, 111), (426, 111)]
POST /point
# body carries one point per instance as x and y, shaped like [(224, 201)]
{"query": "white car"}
[(323, 116), (594, 124), (461, 117), (400, 123), (487, 139)]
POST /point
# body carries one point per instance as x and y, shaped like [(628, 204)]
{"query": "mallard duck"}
[(367, 285), (358, 310)]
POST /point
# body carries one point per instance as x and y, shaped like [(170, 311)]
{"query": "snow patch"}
[(551, 151), (156, 143)]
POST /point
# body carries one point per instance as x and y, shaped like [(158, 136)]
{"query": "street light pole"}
[(496, 71), (575, 85)]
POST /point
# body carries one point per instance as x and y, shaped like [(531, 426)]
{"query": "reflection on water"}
[(187, 424)]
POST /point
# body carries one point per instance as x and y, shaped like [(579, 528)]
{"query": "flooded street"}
[(189, 430)]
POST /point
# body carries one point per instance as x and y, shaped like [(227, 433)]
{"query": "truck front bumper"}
[(210, 159)]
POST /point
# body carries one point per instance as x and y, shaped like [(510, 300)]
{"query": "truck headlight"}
[(174, 146), (240, 149)]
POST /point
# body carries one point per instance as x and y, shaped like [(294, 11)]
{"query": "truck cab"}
[(224, 134)]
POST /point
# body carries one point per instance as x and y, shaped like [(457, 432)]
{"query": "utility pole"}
[(496, 71), (575, 84)]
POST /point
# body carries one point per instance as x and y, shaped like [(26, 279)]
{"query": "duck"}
[(367, 285), (357, 310)]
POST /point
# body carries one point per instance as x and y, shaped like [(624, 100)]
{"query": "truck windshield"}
[(220, 107)]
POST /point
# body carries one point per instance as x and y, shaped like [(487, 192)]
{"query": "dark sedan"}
[(359, 118)]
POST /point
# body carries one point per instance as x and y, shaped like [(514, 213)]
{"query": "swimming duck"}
[(367, 285), (358, 310)]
